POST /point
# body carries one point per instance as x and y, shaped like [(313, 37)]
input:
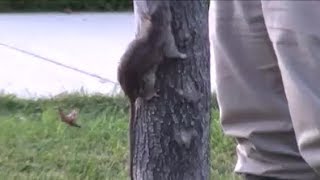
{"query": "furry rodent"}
[(153, 43)]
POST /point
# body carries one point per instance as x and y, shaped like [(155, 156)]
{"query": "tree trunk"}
[(172, 131)]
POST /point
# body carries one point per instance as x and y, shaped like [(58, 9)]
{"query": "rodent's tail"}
[(76, 125), (132, 135)]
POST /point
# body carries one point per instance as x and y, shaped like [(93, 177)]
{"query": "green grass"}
[(35, 145)]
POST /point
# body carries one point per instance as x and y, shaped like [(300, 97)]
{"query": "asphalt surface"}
[(89, 42)]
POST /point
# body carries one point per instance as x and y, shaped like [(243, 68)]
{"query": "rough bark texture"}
[(172, 131)]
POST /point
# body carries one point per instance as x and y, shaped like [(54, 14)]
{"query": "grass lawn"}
[(35, 145)]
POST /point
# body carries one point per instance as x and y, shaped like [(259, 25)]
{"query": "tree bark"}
[(172, 131)]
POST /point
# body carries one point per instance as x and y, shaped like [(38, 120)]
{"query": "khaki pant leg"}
[(253, 105), (294, 28)]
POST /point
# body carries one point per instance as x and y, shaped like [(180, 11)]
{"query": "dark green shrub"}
[(60, 5)]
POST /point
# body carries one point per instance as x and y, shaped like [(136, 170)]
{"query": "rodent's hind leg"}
[(149, 81)]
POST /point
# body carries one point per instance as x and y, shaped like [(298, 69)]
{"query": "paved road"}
[(92, 42)]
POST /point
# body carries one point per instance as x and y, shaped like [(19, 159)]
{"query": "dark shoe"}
[(255, 177)]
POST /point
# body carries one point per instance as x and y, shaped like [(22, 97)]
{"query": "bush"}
[(61, 5)]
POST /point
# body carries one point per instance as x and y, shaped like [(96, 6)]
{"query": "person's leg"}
[(294, 28), (253, 105)]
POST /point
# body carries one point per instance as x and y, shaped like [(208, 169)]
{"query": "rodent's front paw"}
[(151, 95)]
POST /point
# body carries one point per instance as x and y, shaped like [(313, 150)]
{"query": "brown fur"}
[(69, 119)]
